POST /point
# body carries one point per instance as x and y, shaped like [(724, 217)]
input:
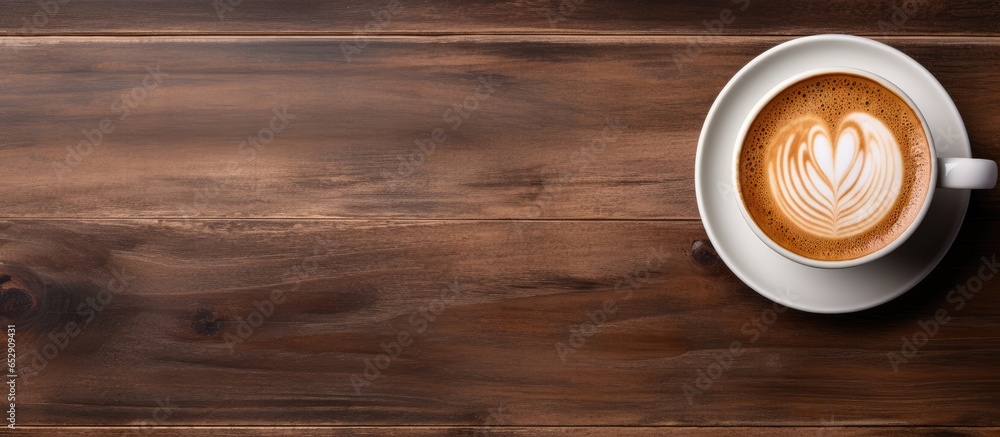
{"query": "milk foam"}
[(834, 167), (836, 189)]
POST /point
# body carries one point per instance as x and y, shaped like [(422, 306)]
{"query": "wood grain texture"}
[(219, 215), (557, 127), (746, 17), (833, 431), (185, 334)]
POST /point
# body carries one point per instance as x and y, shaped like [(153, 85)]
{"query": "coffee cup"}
[(836, 167)]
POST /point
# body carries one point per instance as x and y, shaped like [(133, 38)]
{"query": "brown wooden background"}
[(516, 206)]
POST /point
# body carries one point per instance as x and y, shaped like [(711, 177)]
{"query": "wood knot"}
[(703, 253), (206, 322), (16, 301)]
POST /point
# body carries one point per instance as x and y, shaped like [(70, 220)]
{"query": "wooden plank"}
[(744, 17), (530, 431), (190, 331), (579, 128)]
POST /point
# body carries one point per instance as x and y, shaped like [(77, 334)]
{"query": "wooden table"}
[(447, 217)]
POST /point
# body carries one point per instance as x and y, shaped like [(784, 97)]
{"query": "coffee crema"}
[(834, 167)]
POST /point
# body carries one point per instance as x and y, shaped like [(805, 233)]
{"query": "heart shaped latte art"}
[(836, 186)]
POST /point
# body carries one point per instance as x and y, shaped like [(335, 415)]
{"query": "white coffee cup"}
[(946, 173)]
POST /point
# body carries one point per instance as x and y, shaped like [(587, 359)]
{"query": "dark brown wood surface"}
[(833, 431), (172, 328), (256, 223), (444, 17), (349, 149)]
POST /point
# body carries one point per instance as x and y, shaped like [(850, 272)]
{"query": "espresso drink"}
[(835, 167)]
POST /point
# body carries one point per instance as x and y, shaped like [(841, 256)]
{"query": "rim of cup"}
[(885, 250)]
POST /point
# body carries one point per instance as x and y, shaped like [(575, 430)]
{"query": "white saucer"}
[(785, 281)]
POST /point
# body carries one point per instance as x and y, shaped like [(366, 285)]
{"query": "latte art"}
[(834, 167), (838, 185)]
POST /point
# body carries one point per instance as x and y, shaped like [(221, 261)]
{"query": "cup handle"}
[(966, 173)]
